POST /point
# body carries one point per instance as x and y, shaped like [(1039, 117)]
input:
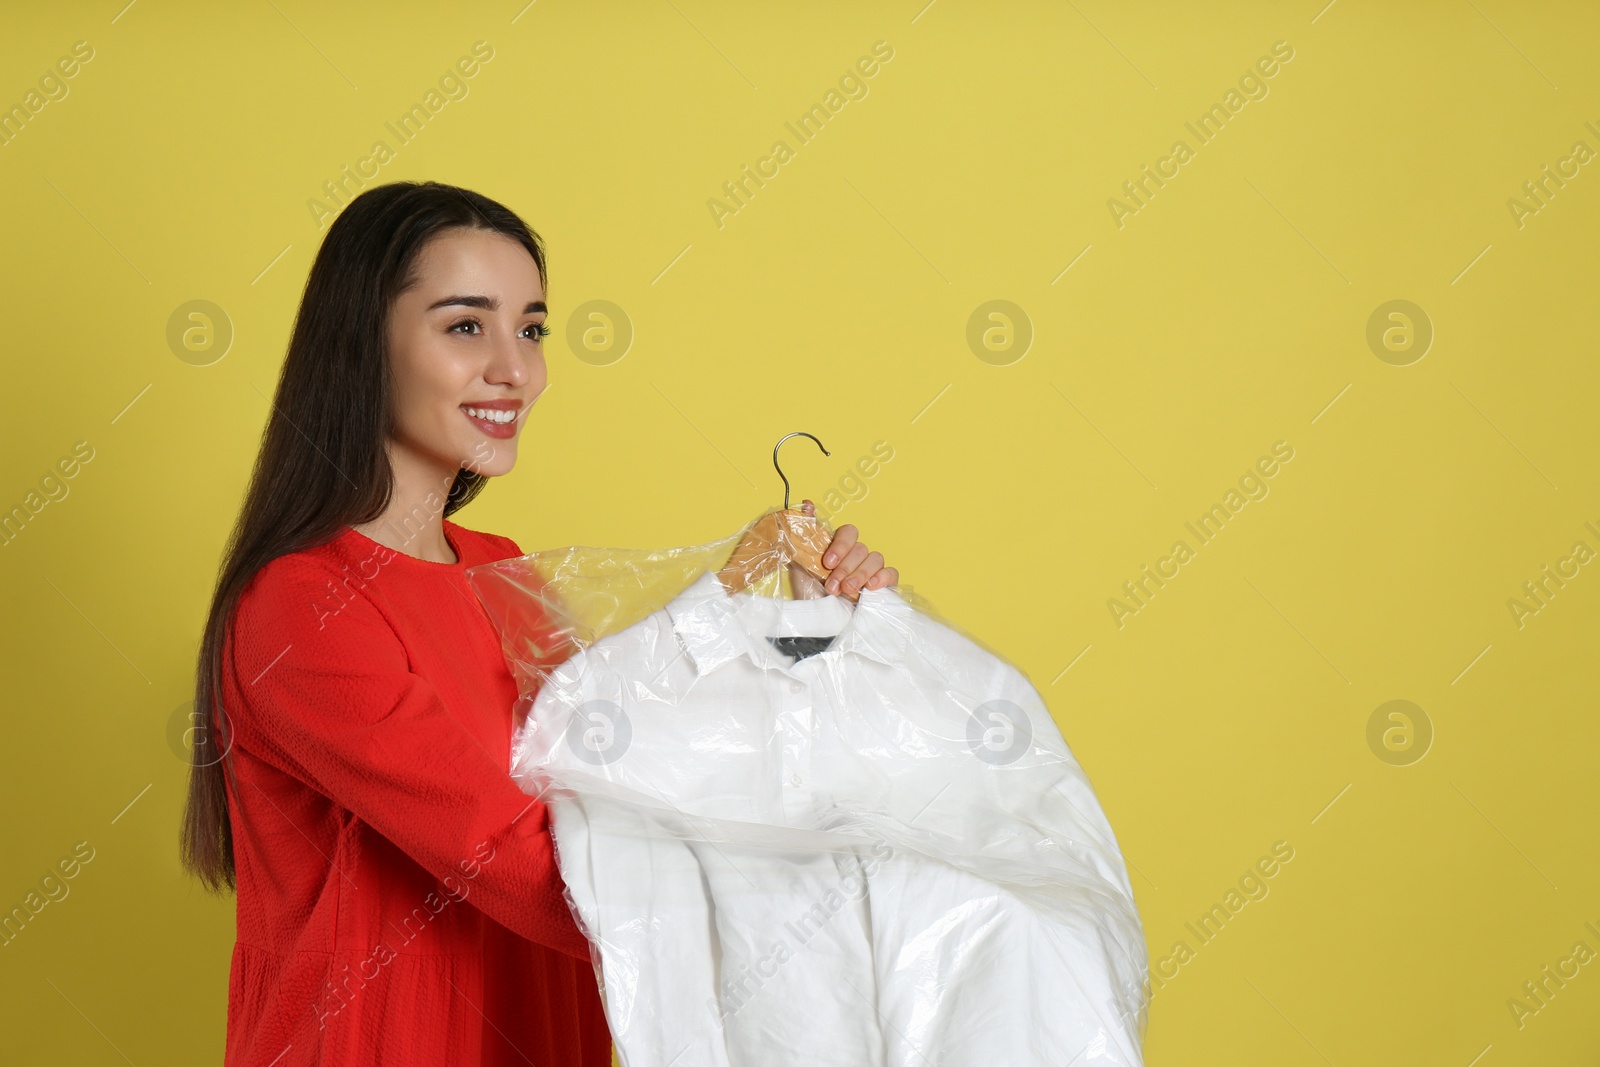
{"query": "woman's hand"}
[(851, 567)]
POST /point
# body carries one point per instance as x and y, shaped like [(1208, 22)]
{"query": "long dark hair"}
[(322, 463)]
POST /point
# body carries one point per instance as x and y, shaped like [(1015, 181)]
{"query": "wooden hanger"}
[(781, 536)]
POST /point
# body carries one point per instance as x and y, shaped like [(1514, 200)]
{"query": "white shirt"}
[(883, 853)]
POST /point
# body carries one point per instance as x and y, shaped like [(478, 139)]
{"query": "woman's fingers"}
[(844, 539), (851, 567), (840, 577), (869, 567)]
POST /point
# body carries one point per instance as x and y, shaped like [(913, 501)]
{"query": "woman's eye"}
[(540, 330)]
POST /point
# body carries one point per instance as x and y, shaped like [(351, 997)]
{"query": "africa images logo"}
[(599, 732)]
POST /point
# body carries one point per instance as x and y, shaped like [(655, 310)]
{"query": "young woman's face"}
[(465, 346)]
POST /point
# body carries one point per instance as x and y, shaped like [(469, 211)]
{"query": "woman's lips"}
[(500, 430)]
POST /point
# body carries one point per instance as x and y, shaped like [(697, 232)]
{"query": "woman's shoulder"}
[(337, 571), (297, 592), (491, 546), (302, 568)]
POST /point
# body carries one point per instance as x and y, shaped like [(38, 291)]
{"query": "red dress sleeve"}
[(340, 709)]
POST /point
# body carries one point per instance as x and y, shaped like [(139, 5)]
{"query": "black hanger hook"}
[(781, 440)]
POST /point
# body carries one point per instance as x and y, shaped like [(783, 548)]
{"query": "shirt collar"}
[(715, 627)]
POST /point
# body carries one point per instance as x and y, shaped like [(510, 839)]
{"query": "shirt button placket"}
[(797, 808)]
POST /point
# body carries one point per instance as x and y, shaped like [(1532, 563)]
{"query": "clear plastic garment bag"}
[(810, 829)]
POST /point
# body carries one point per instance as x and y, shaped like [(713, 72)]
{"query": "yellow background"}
[(1229, 313)]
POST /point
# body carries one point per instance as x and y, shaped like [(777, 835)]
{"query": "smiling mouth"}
[(491, 414), (493, 421)]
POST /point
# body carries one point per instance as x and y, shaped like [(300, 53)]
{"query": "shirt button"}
[(797, 687), (794, 779)]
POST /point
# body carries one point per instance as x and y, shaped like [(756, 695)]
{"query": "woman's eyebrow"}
[(487, 303)]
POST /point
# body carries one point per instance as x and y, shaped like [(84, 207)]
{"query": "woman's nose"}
[(510, 364)]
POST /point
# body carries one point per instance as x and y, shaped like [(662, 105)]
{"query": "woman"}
[(397, 897)]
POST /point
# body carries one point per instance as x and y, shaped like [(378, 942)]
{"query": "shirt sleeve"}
[(340, 709), (992, 770)]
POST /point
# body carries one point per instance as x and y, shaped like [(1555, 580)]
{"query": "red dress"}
[(398, 899)]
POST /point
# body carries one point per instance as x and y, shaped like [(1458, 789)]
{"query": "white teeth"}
[(491, 415)]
